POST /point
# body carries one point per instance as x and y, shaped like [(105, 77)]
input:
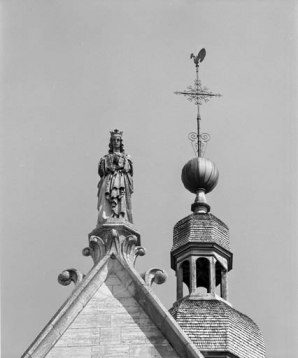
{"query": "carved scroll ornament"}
[(156, 275), (70, 275)]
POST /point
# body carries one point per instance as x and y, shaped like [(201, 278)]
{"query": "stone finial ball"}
[(64, 278), (199, 173), (160, 277)]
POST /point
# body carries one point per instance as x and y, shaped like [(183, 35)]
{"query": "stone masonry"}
[(112, 325)]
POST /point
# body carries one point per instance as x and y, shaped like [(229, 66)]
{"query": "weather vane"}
[(198, 94)]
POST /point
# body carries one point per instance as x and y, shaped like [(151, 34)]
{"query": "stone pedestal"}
[(123, 227)]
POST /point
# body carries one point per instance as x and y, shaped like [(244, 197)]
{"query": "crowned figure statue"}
[(116, 184)]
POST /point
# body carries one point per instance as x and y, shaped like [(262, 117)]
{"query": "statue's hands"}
[(111, 169), (115, 159)]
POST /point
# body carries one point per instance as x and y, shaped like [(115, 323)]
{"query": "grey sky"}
[(73, 70)]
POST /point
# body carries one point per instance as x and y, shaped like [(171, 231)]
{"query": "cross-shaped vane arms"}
[(197, 93)]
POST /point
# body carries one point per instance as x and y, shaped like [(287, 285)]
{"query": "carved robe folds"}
[(115, 187)]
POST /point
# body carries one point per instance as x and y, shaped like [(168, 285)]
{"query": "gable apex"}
[(93, 290)]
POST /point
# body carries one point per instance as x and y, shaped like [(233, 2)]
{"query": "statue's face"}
[(116, 142)]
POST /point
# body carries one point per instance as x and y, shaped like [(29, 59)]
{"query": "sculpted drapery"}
[(116, 184)]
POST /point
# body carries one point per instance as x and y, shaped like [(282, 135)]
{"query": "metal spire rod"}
[(198, 114)]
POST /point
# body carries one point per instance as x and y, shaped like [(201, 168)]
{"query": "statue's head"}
[(116, 142)]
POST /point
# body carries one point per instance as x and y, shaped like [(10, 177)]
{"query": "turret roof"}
[(214, 326), (200, 227)]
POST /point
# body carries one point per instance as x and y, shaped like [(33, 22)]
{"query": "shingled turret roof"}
[(201, 227), (215, 326)]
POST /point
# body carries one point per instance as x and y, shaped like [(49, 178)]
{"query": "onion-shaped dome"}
[(215, 327), (199, 173)]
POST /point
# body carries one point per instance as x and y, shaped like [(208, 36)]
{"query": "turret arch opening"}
[(203, 275), (185, 267), (183, 279), (218, 270), (221, 280)]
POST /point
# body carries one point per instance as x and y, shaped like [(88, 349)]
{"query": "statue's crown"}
[(116, 132)]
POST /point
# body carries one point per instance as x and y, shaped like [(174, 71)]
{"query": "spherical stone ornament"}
[(160, 277), (199, 173), (64, 278)]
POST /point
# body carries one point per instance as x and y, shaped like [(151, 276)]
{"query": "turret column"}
[(179, 275), (224, 285), (212, 275), (193, 275)]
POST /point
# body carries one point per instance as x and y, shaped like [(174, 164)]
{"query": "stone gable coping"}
[(141, 292)]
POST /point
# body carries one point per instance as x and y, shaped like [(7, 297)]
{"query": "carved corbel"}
[(130, 251), (139, 251), (96, 249), (99, 247), (114, 244), (71, 275), (156, 275)]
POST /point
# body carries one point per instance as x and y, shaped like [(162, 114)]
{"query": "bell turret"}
[(201, 256)]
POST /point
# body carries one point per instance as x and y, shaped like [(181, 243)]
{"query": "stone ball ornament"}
[(200, 176), (160, 277), (70, 275), (64, 278)]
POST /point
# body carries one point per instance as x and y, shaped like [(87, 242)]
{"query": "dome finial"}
[(200, 176)]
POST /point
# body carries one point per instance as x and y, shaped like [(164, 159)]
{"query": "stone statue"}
[(116, 184)]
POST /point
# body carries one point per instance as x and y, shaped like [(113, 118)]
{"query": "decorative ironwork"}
[(199, 145), (197, 93)]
